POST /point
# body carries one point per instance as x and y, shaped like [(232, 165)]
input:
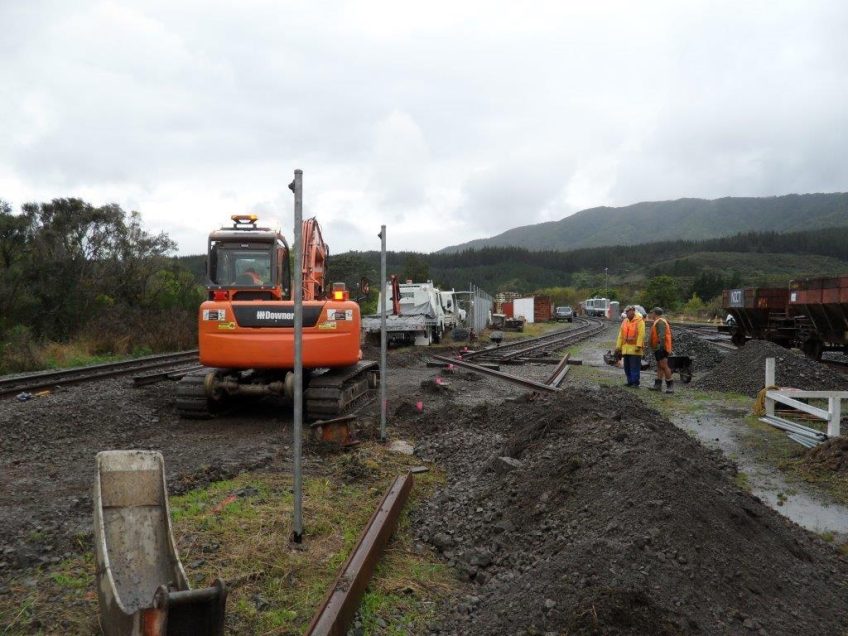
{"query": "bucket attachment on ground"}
[(141, 584)]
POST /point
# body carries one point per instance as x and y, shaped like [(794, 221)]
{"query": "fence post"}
[(770, 373), (834, 407)]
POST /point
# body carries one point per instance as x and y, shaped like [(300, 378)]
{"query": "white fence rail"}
[(793, 398)]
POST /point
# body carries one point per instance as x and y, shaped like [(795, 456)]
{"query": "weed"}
[(74, 582), (742, 482), (18, 614), (827, 535)]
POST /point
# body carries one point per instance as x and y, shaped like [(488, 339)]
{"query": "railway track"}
[(41, 380), (540, 345), (707, 332), (837, 365)]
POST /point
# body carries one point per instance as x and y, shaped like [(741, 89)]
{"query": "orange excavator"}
[(246, 326)]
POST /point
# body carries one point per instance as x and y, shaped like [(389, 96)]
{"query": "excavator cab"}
[(247, 262)]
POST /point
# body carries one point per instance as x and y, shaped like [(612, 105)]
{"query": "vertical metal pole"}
[(383, 339), (471, 306), (297, 285)]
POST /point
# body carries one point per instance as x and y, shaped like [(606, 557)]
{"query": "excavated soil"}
[(587, 512), (743, 371), (831, 456)]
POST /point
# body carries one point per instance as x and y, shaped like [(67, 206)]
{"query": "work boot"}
[(669, 386), (657, 385)]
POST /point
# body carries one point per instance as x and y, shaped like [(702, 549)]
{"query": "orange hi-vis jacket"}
[(631, 336), (655, 337)]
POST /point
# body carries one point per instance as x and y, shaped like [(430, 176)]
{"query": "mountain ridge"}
[(685, 218)]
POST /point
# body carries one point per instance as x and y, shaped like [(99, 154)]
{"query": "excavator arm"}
[(314, 260)]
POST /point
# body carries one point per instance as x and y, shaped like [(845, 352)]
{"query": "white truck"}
[(454, 314), (420, 318)]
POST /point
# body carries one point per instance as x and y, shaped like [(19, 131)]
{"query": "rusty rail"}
[(49, 379), (340, 603), (156, 376), (532, 384), (559, 373), (529, 346)]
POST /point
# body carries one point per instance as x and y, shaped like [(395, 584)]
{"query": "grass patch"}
[(835, 484), (742, 482), (239, 530)]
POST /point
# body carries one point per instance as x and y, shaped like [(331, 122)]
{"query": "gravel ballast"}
[(743, 371)]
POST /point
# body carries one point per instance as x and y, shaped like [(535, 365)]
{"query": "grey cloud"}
[(493, 115)]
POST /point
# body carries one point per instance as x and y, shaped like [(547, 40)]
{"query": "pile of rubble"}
[(743, 371), (705, 355), (587, 512)]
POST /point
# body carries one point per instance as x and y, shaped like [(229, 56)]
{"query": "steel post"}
[(297, 286), (383, 338)]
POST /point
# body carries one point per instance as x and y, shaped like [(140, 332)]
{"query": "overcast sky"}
[(446, 121)]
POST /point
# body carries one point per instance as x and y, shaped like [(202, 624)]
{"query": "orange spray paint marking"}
[(226, 502)]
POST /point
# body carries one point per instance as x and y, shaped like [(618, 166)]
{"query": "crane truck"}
[(246, 325), (417, 314)]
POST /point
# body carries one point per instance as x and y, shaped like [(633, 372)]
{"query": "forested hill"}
[(684, 219), (759, 258)]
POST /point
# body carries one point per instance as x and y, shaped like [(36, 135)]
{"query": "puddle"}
[(717, 429)]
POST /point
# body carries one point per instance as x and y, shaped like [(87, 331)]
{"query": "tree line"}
[(71, 270), (517, 269)]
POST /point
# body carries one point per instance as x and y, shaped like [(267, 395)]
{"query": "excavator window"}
[(240, 265)]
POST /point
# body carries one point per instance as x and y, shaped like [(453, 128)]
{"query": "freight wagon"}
[(810, 314)]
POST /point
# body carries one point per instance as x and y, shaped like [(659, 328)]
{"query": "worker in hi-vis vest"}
[(661, 344), (631, 338)]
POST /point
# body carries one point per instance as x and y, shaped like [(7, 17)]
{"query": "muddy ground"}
[(587, 512), (48, 446)]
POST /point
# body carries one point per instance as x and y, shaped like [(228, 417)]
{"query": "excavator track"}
[(192, 401), (337, 391)]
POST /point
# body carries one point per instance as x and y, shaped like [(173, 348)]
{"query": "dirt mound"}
[(831, 456), (743, 371), (587, 512)]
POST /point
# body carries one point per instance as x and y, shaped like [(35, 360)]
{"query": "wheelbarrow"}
[(683, 366)]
